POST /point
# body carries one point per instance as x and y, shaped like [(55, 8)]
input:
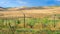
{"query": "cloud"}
[(3, 3), (57, 0), (21, 2), (10, 3)]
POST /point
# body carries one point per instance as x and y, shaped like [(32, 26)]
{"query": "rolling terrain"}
[(30, 12), (34, 20)]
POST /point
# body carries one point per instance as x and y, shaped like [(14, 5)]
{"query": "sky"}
[(19, 3)]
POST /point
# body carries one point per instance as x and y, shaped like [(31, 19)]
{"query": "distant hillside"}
[(26, 8), (1, 8), (30, 11)]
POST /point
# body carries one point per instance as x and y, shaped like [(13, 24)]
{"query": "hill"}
[(29, 11)]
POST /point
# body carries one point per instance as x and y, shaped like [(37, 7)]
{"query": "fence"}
[(49, 24)]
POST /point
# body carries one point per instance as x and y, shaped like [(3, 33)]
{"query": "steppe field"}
[(30, 21)]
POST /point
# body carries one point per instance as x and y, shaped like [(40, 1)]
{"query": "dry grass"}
[(30, 13), (34, 13)]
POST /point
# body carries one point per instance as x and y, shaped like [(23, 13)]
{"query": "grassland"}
[(36, 21)]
